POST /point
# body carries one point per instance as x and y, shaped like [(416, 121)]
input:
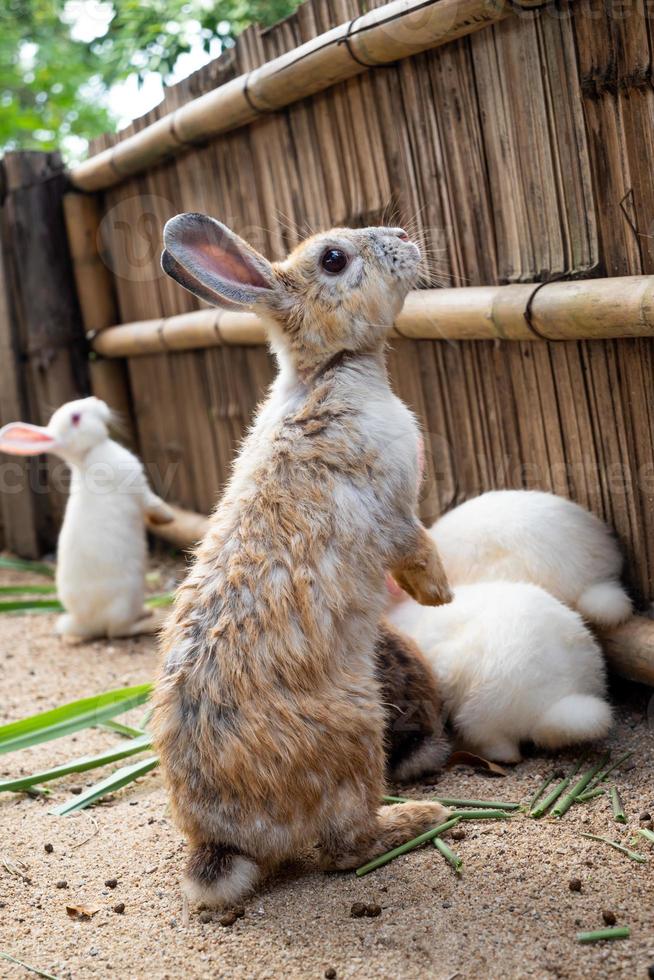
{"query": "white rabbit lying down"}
[(530, 536), (513, 664), (101, 554)]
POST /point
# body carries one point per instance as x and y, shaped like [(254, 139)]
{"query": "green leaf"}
[(31, 605), (71, 717), (27, 589), (83, 764), (157, 601), (20, 565), (118, 779), (128, 731)]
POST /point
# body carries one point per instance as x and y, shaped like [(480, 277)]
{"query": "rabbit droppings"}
[(268, 713), (101, 552), (531, 536), (512, 664)]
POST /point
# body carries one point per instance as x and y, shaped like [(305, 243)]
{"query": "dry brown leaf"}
[(475, 762), (81, 911)]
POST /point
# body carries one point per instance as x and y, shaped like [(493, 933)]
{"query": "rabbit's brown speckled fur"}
[(268, 714)]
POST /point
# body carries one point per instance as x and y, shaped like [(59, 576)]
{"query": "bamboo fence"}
[(368, 40), (519, 154)]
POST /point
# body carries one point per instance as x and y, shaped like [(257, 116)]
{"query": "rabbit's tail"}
[(575, 718), (604, 604), (218, 875)]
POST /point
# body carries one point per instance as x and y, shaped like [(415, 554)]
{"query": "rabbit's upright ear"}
[(209, 260), (23, 439)]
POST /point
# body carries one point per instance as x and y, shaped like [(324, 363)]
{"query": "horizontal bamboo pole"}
[(379, 37), (589, 309), (629, 648), (185, 531)]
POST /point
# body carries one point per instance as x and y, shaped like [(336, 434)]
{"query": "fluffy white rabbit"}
[(101, 553), (530, 536), (512, 664)]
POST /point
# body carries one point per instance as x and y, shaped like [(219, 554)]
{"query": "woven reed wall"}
[(520, 153)]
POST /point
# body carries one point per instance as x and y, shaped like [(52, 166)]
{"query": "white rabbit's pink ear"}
[(209, 260), (23, 439)]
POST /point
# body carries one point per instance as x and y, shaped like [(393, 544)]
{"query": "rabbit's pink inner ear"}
[(23, 439), (211, 261)]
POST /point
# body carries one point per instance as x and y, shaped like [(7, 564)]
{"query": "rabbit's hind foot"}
[(348, 846)]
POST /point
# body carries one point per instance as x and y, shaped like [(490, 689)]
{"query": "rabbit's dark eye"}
[(334, 261), (76, 418)]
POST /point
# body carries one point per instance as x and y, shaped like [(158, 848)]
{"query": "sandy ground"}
[(510, 914)]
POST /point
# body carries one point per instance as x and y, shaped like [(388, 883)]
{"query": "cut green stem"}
[(601, 778), (617, 806), (617, 932), (590, 794), (450, 801), (640, 858), (539, 792), (448, 854), (554, 794), (383, 859), (647, 834), (482, 814), (570, 797)]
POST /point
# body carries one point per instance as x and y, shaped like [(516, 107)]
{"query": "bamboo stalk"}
[(97, 300), (591, 309), (379, 37)]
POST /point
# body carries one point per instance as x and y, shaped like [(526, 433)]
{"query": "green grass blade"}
[(28, 589), (20, 565), (448, 854), (121, 777), (71, 717), (31, 605), (567, 800), (634, 855), (83, 764), (451, 801), (157, 601), (26, 966), (117, 726)]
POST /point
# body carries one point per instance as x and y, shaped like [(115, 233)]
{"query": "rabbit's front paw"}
[(422, 575), (427, 585)]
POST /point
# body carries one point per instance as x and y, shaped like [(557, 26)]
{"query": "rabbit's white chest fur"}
[(102, 550)]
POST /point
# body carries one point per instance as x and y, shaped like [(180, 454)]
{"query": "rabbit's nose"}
[(402, 234)]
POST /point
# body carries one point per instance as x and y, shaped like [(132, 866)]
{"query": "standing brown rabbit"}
[(268, 712)]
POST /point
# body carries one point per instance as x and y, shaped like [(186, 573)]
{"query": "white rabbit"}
[(101, 553), (530, 536), (512, 664)]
